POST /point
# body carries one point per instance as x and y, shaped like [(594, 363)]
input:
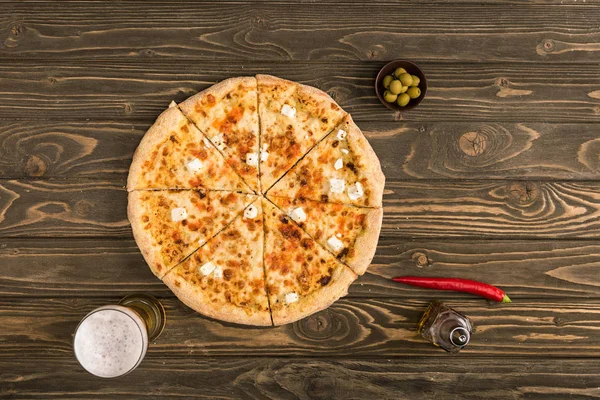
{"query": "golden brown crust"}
[(370, 163), (218, 90), (157, 134), (197, 301), (143, 237), (270, 80), (318, 300), (365, 245)]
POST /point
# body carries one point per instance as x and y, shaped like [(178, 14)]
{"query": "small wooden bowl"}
[(410, 68)]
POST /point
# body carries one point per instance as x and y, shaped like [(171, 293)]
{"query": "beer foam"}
[(111, 341)]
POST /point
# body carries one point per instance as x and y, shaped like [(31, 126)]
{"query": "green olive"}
[(414, 92), (406, 79), (396, 87), (416, 80), (403, 100), (399, 71), (389, 96), (404, 89), (387, 80)]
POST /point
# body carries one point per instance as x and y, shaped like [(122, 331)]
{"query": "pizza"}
[(168, 225), (224, 279), (348, 232), (226, 114), (343, 168), (257, 201), (174, 154), (293, 117)]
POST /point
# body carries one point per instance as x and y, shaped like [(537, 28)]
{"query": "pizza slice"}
[(227, 113), (302, 277), (174, 155), (169, 225), (350, 233), (225, 279), (343, 168), (293, 118)]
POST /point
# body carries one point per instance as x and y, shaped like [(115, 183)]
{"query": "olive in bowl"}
[(400, 85)]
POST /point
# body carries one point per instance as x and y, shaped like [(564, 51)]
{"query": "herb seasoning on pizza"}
[(257, 201)]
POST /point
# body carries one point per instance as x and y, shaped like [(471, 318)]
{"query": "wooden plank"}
[(349, 328), (63, 209), (272, 378), (542, 269), (295, 31), (191, 376), (457, 92), (429, 150), (412, 209)]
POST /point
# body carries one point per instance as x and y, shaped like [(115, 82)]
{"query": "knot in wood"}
[(548, 45), (319, 326), (17, 30), (523, 193), (319, 387), (83, 208), (420, 259), (472, 144), (35, 166)]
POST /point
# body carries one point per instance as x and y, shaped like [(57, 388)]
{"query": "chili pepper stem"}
[(506, 299)]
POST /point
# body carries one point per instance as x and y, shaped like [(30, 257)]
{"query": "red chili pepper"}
[(457, 285)]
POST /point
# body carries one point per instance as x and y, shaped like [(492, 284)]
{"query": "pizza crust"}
[(318, 300), (371, 168), (155, 135), (142, 236), (365, 244), (224, 312)]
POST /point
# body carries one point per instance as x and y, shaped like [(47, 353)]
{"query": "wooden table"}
[(495, 177)]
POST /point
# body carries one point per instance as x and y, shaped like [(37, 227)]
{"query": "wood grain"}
[(67, 209), (349, 328), (428, 150), (457, 92), (541, 269), (194, 376), (412, 209), (293, 31)]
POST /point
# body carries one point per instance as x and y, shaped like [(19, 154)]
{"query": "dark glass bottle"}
[(445, 327)]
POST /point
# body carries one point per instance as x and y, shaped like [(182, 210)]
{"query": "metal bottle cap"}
[(460, 336)]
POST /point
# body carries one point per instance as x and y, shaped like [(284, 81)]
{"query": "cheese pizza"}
[(258, 201)]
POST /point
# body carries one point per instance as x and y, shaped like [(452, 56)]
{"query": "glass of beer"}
[(112, 340)]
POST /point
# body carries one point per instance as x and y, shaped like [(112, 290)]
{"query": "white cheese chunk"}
[(207, 268), (336, 185), (219, 142), (264, 155), (291, 298), (288, 111), (178, 214), (250, 212), (345, 151), (172, 104), (252, 159), (298, 215), (206, 143), (335, 244), (355, 191), (218, 272), (339, 164), (194, 166), (341, 135)]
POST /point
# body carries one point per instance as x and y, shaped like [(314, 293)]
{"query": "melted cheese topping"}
[(178, 214)]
